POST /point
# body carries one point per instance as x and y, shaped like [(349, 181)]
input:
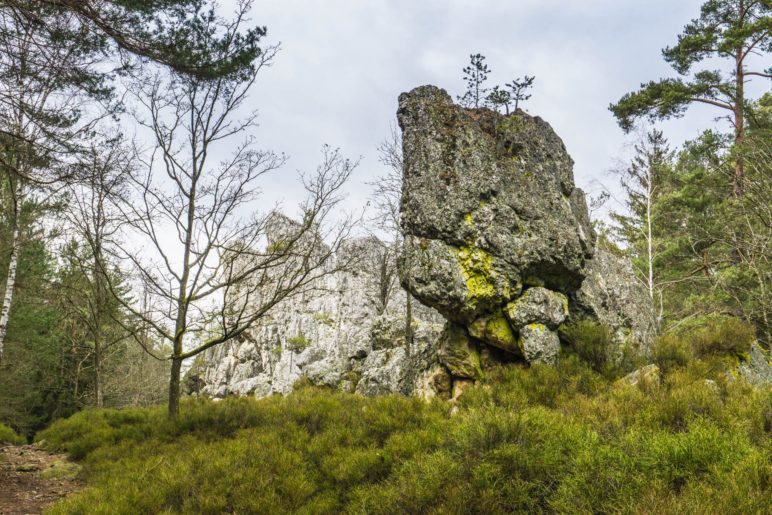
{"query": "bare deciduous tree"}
[(206, 262), (103, 174), (387, 195)]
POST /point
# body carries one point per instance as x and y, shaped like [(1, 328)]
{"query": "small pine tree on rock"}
[(500, 98), (475, 76), (519, 89)]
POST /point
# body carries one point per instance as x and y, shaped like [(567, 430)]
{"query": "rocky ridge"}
[(347, 332), (498, 243)]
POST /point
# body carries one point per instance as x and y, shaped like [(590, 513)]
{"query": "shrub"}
[(590, 340), (531, 439), (9, 436), (298, 343), (722, 335), (324, 318), (670, 352)]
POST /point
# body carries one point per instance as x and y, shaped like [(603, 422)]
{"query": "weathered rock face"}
[(498, 242), (498, 238), (757, 368), (347, 332), (611, 295)]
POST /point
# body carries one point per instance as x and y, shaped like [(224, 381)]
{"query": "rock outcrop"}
[(611, 295), (756, 368), (498, 238), (347, 331), (498, 243)]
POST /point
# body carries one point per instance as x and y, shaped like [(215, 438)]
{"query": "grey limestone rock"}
[(498, 245), (612, 296), (538, 306), (647, 375), (539, 344), (340, 333), (757, 369), (491, 198)]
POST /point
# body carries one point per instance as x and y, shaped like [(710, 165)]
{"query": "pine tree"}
[(519, 88), (733, 30), (182, 34), (475, 76), (499, 98)]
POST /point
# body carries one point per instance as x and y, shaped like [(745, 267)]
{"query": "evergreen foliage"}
[(475, 75), (709, 249), (730, 30), (182, 34), (519, 89)]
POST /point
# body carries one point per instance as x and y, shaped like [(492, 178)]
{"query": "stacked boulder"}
[(498, 238)]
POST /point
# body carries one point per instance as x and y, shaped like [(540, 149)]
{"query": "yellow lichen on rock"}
[(477, 269), (495, 330)]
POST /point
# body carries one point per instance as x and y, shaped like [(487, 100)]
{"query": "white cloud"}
[(344, 62)]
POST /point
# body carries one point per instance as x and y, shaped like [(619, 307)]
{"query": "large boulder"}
[(756, 367), (498, 238)]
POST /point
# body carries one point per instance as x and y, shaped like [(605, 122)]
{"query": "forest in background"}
[(84, 320)]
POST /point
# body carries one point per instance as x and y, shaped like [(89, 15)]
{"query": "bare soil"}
[(32, 478)]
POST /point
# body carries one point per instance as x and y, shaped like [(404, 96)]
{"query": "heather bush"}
[(9, 436), (530, 439)]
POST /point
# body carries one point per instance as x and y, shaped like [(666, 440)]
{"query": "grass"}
[(9, 436), (61, 470), (539, 439)]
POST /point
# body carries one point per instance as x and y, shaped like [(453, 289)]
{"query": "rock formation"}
[(347, 331), (611, 295), (498, 238), (498, 241)]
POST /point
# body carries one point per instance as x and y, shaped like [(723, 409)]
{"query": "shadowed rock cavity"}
[(499, 240)]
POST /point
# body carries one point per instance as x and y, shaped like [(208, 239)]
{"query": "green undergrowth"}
[(565, 439), (9, 436)]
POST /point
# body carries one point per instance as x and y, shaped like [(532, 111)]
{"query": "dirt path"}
[(31, 479)]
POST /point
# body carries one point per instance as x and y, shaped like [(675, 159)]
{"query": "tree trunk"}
[(174, 386), (739, 125), (649, 243), (101, 304), (9, 285), (408, 304), (98, 373), (408, 323)]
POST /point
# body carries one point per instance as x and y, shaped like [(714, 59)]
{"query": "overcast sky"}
[(343, 64)]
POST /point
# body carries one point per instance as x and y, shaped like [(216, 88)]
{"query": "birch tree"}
[(641, 181), (40, 123)]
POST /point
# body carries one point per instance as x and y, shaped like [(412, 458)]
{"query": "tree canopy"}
[(185, 35)]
